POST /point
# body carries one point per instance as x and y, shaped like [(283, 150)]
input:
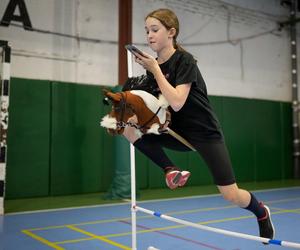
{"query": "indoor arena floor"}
[(108, 227)]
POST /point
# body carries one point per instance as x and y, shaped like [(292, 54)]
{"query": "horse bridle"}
[(123, 105)]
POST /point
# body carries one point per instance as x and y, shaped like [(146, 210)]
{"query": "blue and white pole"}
[(221, 231)]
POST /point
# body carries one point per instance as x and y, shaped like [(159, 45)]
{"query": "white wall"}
[(251, 68), (257, 65), (46, 56)]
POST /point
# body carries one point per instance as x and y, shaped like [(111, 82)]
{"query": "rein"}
[(147, 122)]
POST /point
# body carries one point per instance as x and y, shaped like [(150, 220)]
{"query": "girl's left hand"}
[(147, 61)]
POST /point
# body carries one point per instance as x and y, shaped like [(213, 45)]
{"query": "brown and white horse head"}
[(121, 111), (151, 112)]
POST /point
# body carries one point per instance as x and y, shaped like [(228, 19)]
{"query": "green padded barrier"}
[(287, 137), (106, 165), (156, 178), (217, 105), (142, 170), (57, 147), (239, 130), (120, 187), (81, 152), (268, 140), (28, 139)]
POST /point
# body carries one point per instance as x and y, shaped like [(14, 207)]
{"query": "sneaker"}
[(184, 178), (172, 178), (266, 228)]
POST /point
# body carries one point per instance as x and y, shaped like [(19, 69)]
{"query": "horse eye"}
[(105, 101)]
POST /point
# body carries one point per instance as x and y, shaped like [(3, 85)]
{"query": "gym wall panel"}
[(105, 152), (239, 130), (259, 137), (156, 176), (107, 160), (268, 140), (28, 139), (78, 144), (142, 170), (287, 137)]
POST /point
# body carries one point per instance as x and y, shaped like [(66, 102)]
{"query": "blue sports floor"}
[(108, 227)]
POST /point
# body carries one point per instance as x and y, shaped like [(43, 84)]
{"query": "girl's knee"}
[(230, 193), (231, 196), (235, 195)]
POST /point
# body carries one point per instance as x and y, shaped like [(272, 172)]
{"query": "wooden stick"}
[(180, 138)]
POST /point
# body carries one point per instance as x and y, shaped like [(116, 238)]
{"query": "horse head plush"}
[(151, 112)]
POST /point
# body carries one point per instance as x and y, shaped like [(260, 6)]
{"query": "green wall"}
[(56, 146)]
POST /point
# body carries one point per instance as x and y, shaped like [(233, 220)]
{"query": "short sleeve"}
[(186, 70)]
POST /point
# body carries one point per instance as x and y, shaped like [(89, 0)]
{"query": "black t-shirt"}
[(196, 120)]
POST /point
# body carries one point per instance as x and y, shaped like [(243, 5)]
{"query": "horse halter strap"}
[(123, 104)]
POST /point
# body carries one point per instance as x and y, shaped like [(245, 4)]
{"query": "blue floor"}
[(108, 227)]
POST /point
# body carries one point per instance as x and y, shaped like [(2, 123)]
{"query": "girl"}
[(175, 74)]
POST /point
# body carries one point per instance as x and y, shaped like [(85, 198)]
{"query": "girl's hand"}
[(147, 61)]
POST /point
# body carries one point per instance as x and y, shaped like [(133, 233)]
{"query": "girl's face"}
[(158, 36)]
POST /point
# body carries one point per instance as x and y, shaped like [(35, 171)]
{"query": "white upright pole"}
[(133, 197), (132, 170)]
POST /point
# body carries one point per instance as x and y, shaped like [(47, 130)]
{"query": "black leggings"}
[(215, 155)]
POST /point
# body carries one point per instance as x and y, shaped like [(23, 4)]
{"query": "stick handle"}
[(180, 138)]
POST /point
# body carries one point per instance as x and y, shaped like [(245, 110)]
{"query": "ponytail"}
[(177, 46)]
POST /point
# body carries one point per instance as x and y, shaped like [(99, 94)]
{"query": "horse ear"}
[(114, 96), (105, 90)]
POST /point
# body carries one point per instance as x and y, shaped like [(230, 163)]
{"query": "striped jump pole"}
[(221, 231), (5, 51)]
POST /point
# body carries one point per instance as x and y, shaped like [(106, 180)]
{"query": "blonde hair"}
[(168, 19)]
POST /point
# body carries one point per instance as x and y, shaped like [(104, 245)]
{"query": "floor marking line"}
[(199, 243), (179, 226), (101, 238), (129, 218), (201, 223), (148, 216), (41, 239), (73, 241), (284, 210)]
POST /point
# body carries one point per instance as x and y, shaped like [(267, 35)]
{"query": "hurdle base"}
[(152, 248)]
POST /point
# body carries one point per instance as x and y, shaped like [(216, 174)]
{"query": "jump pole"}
[(221, 231), (132, 174)]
